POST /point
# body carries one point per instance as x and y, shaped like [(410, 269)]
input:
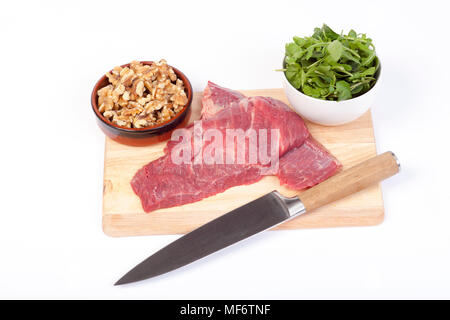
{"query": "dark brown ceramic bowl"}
[(142, 136)]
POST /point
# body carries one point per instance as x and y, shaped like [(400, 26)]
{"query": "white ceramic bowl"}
[(330, 113)]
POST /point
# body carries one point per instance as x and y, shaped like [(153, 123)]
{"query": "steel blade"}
[(239, 224)]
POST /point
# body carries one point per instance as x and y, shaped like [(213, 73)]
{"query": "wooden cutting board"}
[(123, 214)]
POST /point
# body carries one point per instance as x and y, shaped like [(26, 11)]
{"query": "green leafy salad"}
[(331, 66)]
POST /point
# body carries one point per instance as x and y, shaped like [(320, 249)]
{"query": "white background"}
[(51, 164)]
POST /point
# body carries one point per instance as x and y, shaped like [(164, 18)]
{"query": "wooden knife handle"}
[(350, 181)]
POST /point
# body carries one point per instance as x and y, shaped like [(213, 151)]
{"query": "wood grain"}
[(123, 214), (350, 181)]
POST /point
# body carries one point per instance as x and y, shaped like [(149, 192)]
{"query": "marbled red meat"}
[(303, 162), (307, 165), (301, 167), (216, 98), (162, 183)]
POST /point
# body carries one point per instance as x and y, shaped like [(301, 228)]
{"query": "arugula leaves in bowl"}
[(331, 66)]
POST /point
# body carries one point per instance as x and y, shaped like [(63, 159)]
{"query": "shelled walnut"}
[(141, 95)]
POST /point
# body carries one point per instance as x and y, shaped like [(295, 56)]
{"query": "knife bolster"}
[(294, 205)]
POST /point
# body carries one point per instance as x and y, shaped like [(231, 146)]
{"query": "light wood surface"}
[(123, 214)]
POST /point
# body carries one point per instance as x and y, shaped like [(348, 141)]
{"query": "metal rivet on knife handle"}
[(351, 181)]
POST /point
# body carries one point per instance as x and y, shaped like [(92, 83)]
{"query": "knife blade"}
[(259, 215)]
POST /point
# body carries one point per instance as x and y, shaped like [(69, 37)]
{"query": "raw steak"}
[(301, 167), (307, 165), (303, 162), (256, 113), (162, 183), (216, 98)]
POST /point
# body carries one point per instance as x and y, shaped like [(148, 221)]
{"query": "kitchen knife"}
[(259, 215)]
